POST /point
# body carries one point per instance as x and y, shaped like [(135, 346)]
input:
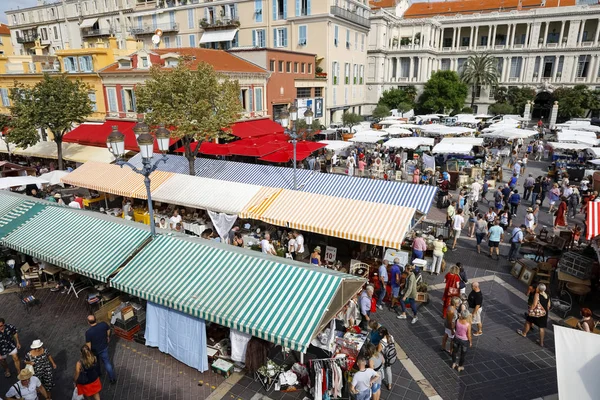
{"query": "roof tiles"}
[(420, 10)]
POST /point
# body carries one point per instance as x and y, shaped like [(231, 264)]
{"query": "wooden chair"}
[(28, 273), (572, 323), (544, 273)]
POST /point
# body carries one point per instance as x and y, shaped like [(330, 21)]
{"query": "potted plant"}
[(204, 22)]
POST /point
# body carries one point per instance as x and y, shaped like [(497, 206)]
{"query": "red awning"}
[(89, 134), (208, 148), (283, 156), (256, 150), (255, 128)]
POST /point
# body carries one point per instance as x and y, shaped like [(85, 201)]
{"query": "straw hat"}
[(24, 374), (318, 249), (529, 209), (37, 343), (57, 196)]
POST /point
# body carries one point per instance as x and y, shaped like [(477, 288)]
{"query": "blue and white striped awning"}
[(378, 191)]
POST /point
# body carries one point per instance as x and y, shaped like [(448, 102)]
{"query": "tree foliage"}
[(55, 103), (401, 99), (350, 119), (501, 109), (443, 91), (480, 70), (381, 111), (198, 104), (501, 94), (518, 97), (572, 102)]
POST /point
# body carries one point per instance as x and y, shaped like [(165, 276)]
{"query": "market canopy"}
[(473, 141), (70, 152), (360, 221), (593, 220), (283, 156), (278, 300), (409, 142), (568, 146), (397, 131), (510, 133), (15, 210), (256, 127), (336, 145), (78, 240), (452, 148), (442, 130), (14, 181), (582, 137), (360, 138), (110, 178)]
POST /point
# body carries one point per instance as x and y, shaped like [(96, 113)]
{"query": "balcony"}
[(27, 38), (349, 16), (95, 32), (221, 23), (151, 29)]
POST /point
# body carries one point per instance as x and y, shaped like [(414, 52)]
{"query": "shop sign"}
[(330, 254)]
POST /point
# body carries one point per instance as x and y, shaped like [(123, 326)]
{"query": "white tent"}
[(467, 119), (372, 132), (337, 145), (581, 125), (71, 152), (13, 181), (54, 177), (409, 142), (577, 137), (442, 130), (510, 133), (464, 140), (397, 131), (452, 148), (360, 138), (407, 126), (568, 146), (577, 363)]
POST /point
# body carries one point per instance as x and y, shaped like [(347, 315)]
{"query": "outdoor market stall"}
[(443, 130), (412, 143), (70, 152), (583, 137)]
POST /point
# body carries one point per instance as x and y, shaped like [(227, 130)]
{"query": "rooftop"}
[(420, 10), (4, 29), (375, 4)]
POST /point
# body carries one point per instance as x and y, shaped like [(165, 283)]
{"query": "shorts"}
[(12, 353), (448, 332), (395, 291), (552, 202), (479, 237), (493, 244), (375, 388), (457, 233), (477, 316)]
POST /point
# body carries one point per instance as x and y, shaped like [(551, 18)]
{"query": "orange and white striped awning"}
[(593, 220), (361, 221), (109, 178)]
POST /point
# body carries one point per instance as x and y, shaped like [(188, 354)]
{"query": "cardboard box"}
[(222, 367)]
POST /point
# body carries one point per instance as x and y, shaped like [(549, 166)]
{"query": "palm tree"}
[(480, 69)]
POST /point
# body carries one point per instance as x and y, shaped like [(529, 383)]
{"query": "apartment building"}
[(543, 44), (335, 30), (6, 47)]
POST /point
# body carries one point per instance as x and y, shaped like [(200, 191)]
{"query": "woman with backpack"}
[(388, 349), (87, 375)]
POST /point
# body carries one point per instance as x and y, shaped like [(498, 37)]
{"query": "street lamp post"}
[(290, 117), (145, 141)]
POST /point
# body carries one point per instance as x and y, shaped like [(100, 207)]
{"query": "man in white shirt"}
[(266, 246), (475, 190), (363, 380), (458, 223), (27, 388), (175, 219), (299, 245), (74, 204)]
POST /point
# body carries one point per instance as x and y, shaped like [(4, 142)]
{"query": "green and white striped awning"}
[(16, 210), (76, 240), (284, 303)]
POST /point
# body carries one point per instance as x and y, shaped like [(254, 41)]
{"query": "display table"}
[(564, 278), (141, 215), (197, 228), (51, 270), (88, 202), (579, 290)]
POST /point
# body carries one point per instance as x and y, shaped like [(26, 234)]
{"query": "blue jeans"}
[(417, 254), (533, 198), (364, 395), (513, 254), (103, 356), (413, 305), (381, 294)]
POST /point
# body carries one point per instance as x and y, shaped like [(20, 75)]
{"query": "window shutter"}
[(259, 105), (263, 38), (302, 35), (235, 11), (297, 8), (307, 7), (81, 64), (139, 22), (275, 37), (123, 104), (274, 10), (251, 99), (284, 9), (133, 100), (254, 33), (92, 97), (285, 41)]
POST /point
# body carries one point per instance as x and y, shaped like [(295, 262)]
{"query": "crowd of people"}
[(37, 375)]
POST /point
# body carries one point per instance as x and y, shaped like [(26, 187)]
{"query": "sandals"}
[(520, 332)]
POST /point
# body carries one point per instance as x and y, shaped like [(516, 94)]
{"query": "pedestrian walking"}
[(517, 169), (540, 151), (538, 313), (528, 186), (553, 197), (419, 246), (536, 213), (97, 338), (9, 346), (484, 190), (513, 182), (462, 340), (516, 240), (573, 202), (514, 200), (506, 191), (495, 236), (395, 277), (383, 279), (450, 323), (481, 229), (439, 248), (475, 300), (87, 374), (43, 364), (363, 380), (450, 213), (463, 278), (452, 288), (389, 354), (490, 217), (376, 363), (524, 162), (365, 307), (499, 199), (536, 190), (505, 218), (458, 223), (561, 214), (410, 294), (530, 221), (27, 388)]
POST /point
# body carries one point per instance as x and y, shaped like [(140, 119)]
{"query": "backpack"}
[(389, 354)]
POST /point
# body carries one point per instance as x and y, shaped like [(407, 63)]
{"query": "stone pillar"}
[(541, 68), (580, 37), (554, 68), (508, 33), (593, 71), (476, 36), (453, 38), (546, 32), (526, 44), (553, 115), (506, 67), (410, 69), (562, 30), (527, 112)]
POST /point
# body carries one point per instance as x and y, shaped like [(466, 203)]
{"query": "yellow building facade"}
[(6, 46)]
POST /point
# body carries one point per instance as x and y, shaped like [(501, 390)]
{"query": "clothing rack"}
[(336, 361)]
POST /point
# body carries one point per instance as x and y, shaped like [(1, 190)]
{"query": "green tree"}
[(304, 131), (199, 104), (381, 111), (55, 103), (572, 101), (518, 97), (592, 102), (443, 91), (501, 94), (480, 70), (5, 126), (501, 109), (351, 119), (394, 98), (467, 110)]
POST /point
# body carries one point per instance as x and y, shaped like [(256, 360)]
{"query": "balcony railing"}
[(150, 29), (95, 32), (222, 23), (350, 16), (27, 38)]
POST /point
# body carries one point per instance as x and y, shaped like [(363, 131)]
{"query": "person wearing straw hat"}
[(530, 220), (27, 388), (43, 364), (315, 257)]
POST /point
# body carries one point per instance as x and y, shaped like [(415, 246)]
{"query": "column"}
[(512, 36), (458, 39), (453, 37), (593, 71), (574, 67), (580, 37), (440, 42), (493, 37), (506, 67), (546, 32), (541, 68), (410, 68), (508, 33), (413, 36), (526, 44), (476, 36), (596, 33), (562, 30), (554, 67)]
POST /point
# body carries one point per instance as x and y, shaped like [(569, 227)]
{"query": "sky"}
[(13, 5)]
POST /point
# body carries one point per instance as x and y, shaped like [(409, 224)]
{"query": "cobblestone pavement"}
[(142, 372)]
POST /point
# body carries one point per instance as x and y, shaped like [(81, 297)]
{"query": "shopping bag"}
[(76, 396)]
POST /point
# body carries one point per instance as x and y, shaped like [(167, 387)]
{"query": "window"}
[(279, 9), (124, 64), (347, 73), (70, 64), (85, 64), (128, 100), (460, 63), (190, 16), (303, 68), (111, 93), (154, 21), (258, 95), (346, 96), (355, 74), (167, 41), (280, 66), (143, 62), (272, 65), (92, 97), (348, 38), (5, 98), (288, 67), (583, 66), (302, 35), (445, 64), (355, 40), (280, 37), (310, 68), (258, 11), (55, 33), (334, 96), (336, 31), (362, 75), (362, 42), (139, 22), (44, 33), (296, 67), (259, 38), (192, 40), (302, 92), (171, 62), (318, 92), (335, 71), (178, 41), (302, 7), (515, 67)]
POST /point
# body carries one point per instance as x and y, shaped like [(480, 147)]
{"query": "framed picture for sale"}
[(516, 270), (527, 276)]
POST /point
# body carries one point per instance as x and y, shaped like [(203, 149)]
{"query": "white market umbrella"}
[(54, 177)]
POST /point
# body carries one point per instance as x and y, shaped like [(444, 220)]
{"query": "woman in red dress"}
[(561, 213), (452, 280), (87, 375)]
